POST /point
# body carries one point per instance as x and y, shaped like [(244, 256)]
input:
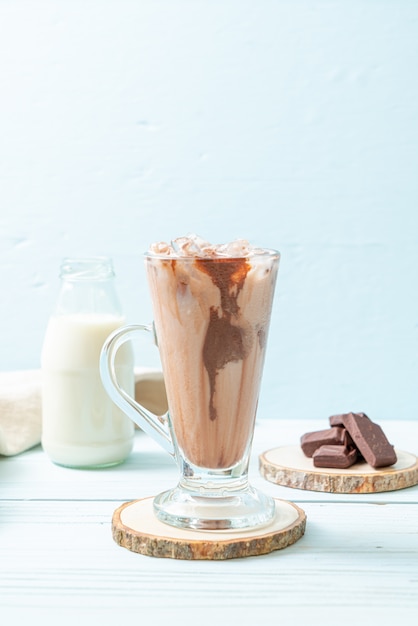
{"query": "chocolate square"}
[(369, 439), (313, 440), (339, 457)]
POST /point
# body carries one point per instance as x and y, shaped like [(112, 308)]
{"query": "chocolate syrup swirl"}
[(225, 340)]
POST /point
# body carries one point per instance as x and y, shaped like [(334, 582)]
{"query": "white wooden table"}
[(356, 564)]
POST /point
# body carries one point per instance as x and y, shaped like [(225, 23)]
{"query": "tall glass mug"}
[(212, 307)]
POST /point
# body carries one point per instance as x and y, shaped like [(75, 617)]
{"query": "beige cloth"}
[(21, 410), (150, 391)]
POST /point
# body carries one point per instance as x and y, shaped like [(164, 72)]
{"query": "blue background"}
[(290, 123)]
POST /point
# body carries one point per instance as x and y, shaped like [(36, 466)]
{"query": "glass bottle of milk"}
[(81, 427)]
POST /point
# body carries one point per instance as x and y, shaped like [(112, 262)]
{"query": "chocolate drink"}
[(212, 308)]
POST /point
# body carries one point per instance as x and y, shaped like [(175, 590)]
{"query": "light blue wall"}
[(292, 123)]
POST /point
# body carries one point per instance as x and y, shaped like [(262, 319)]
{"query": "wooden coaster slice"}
[(289, 467), (135, 527)]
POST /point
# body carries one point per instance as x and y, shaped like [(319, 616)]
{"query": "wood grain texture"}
[(358, 559), (289, 467), (146, 535)]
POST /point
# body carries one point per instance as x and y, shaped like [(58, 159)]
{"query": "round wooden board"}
[(135, 527), (289, 467)]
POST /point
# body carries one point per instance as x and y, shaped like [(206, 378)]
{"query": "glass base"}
[(243, 509)]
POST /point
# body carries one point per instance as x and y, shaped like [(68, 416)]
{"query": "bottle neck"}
[(88, 288), (87, 269)]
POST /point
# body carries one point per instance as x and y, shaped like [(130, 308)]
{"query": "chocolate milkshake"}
[(212, 306)]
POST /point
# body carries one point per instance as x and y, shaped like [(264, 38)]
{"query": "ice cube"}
[(235, 249), (194, 246), (160, 247), (191, 245)]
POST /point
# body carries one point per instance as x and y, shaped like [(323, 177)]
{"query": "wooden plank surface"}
[(149, 470), (58, 562)]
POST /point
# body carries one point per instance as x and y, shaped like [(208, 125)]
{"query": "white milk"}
[(80, 424)]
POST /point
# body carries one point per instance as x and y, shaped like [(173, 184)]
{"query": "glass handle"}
[(156, 427)]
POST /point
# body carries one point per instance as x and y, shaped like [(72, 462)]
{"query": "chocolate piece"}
[(338, 420), (339, 457), (313, 440), (370, 440)]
